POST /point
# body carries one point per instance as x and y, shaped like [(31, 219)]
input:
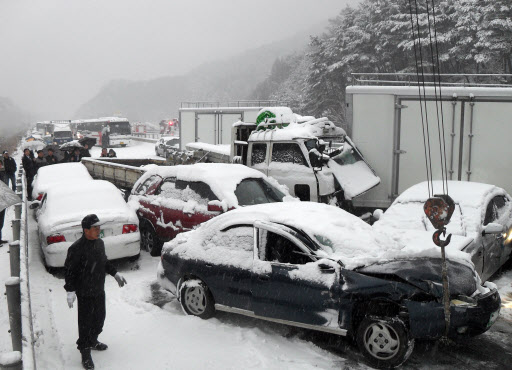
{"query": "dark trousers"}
[(2, 215), (12, 177), (29, 186), (91, 316)]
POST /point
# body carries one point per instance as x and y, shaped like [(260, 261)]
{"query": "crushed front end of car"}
[(415, 287)]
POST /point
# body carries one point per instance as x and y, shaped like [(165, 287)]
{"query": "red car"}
[(171, 199)]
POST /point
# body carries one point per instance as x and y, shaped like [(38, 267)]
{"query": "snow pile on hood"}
[(70, 203), (470, 199), (340, 235), (49, 176), (222, 178)]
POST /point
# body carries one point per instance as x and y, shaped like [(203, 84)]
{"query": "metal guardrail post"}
[(17, 211), (14, 256), (12, 288), (11, 361), (18, 186), (16, 225)]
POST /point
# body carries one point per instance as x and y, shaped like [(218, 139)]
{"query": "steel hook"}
[(437, 238)]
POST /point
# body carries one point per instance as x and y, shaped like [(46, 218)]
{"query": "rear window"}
[(257, 191)]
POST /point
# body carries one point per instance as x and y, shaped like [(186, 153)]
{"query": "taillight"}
[(131, 228), (39, 196), (55, 239)]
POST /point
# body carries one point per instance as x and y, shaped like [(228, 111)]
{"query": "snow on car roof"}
[(221, 177), (310, 129), (341, 235), (468, 194), (71, 202), (49, 176)]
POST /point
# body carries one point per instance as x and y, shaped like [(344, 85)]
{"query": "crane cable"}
[(438, 208)]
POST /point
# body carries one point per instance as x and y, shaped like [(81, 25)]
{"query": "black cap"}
[(5, 152), (39, 151), (90, 221)]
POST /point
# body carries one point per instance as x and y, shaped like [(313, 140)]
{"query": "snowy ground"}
[(146, 328)]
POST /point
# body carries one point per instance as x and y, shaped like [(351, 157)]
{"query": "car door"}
[(289, 166), (170, 210), (493, 244), (145, 193), (196, 196), (228, 272), (289, 286)]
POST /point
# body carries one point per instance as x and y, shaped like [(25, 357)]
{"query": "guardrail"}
[(18, 290)]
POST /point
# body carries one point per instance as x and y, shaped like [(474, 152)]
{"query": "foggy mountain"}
[(230, 79), (13, 120)]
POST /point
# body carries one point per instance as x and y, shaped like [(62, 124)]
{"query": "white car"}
[(482, 212), (165, 143), (62, 209), (62, 173)]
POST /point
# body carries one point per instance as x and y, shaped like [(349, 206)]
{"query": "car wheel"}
[(196, 299), (150, 241), (384, 342)]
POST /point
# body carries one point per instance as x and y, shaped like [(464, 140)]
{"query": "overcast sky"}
[(57, 54)]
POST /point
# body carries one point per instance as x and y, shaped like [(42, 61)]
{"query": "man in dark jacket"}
[(51, 158), (75, 157), (10, 170), (30, 171), (40, 161), (86, 265), (85, 151)]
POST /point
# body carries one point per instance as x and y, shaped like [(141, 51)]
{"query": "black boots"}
[(99, 346), (87, 359)]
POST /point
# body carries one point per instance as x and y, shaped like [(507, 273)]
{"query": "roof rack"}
[(233, 104), (447, 79)]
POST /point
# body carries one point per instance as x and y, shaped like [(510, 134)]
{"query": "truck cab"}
[(316, 160)]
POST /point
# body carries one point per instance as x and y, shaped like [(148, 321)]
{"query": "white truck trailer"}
[(211, 122), (385, 122)]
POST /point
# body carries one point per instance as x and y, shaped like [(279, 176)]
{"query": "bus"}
[(119, 129)]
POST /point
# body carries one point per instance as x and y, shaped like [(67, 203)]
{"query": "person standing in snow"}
[(85, 151), (86, 265), (51, 158), (104, 152), (40, 160), (105, 137), (30, 170), (75, 157), (10, 170)]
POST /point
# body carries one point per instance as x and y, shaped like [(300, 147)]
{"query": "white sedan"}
[(482, 212), (166, 143), (62, 209), (62, 173)]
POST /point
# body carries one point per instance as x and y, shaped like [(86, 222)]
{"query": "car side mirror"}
[(377, 214), (212, 207), (492, 228), (326, 269), (35, 204)]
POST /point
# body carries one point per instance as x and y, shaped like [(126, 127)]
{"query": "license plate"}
[(494, 317), (102, 235)]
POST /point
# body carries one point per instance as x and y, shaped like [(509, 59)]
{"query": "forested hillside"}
[(473, 36)]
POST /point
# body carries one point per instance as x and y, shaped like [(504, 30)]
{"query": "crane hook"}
[(437, 238), (439, 210)]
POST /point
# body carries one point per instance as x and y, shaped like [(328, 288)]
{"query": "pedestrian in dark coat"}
[(104, 152), (85, 151), (112, 153), (86, 265), (10, 170), (40, 161), (30, 170), (75, 157), (51, 158)]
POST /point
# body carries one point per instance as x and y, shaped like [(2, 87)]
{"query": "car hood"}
[(426, 274)]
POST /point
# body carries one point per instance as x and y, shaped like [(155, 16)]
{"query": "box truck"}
[(385, 122)]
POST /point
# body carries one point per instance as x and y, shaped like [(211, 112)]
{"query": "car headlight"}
[(463, 301), (507, 236)]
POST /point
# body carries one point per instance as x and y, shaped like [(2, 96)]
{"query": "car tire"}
[(149, 240), (196, 299), (384, 342)]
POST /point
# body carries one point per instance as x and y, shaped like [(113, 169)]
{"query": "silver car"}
[(165, 143), (482, 212)]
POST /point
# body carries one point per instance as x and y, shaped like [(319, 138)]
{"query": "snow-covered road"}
[(146, 328)]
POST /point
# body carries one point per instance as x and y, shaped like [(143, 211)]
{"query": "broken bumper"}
[(427, 318)]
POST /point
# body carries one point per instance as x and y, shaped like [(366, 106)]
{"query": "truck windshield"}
[(60, 134), (257, 191), (345, 155), (120, 128)]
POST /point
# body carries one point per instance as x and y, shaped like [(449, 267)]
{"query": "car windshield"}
[(257, 191), (62, 134), (172, 142)]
